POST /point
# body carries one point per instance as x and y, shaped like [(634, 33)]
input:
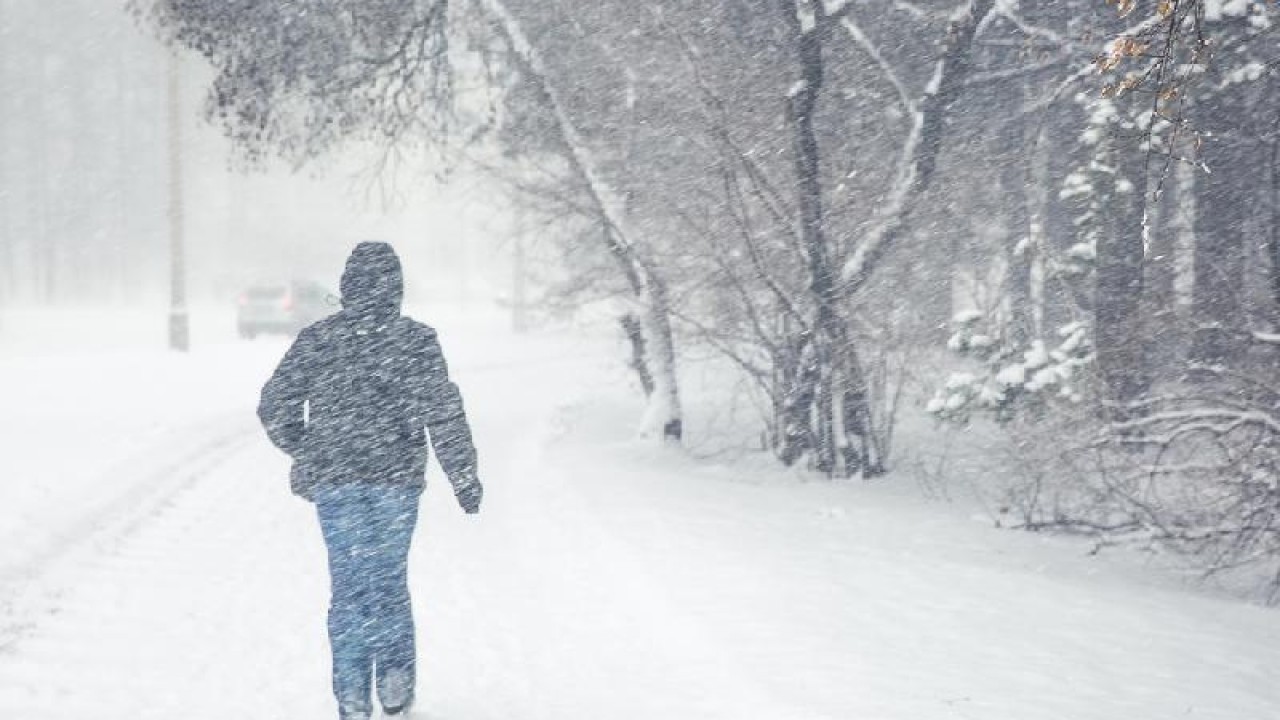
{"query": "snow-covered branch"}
[(607, 202), (918, 156), (1218, 420), (872, 51), (1008, 10)]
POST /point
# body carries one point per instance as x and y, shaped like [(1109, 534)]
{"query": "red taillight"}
[(243, 300), (287, 302)]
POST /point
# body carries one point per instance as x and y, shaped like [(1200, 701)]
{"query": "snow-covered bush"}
[(1012, 379), (1197, 472), (1201, 475)]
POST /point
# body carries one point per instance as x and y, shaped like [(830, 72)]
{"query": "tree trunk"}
[(634, 330), (1273, 229), (1184, 182), (664, 412), (1222, 211), (1064, 298), (1039, 192), (839, 392), (1018, 250), (829, 341), (799, 383), (1118, 327), (1169, 269), (1160, 278), (663, 415)]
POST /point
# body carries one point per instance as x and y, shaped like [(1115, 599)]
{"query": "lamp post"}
[(179, 331)]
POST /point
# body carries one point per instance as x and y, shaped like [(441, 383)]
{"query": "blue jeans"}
[(367, 529)]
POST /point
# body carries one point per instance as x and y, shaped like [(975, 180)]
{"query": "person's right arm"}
[(281, 408)]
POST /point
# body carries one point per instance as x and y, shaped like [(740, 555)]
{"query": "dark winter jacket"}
[(356, 394)]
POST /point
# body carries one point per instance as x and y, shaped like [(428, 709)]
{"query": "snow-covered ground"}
[(154, 565)]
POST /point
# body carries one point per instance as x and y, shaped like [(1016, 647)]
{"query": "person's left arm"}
[(446, 421)]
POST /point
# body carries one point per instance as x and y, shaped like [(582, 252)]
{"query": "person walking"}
[(352, 402)]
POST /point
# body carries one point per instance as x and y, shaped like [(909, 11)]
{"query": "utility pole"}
[(519, 307), (521, 225), (8, 156), (179, 331)]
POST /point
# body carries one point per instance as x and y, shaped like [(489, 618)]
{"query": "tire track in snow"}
[(207, 603), (30, 588)]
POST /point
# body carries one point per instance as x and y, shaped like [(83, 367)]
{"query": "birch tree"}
[(655, 342)]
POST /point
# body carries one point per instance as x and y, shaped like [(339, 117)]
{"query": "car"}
[(283, 308)]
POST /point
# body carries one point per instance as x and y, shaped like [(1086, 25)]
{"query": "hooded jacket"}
[(357, 393)]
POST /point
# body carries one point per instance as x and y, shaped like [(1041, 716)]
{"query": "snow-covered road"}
[(153, 565)]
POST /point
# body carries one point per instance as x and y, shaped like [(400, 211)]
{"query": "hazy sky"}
[(83, 91)]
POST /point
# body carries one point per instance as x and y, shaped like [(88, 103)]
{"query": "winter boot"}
[(395, 690), (397, 709), (354, 711)]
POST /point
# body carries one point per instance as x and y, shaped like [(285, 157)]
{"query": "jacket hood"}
[(373, 284)]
